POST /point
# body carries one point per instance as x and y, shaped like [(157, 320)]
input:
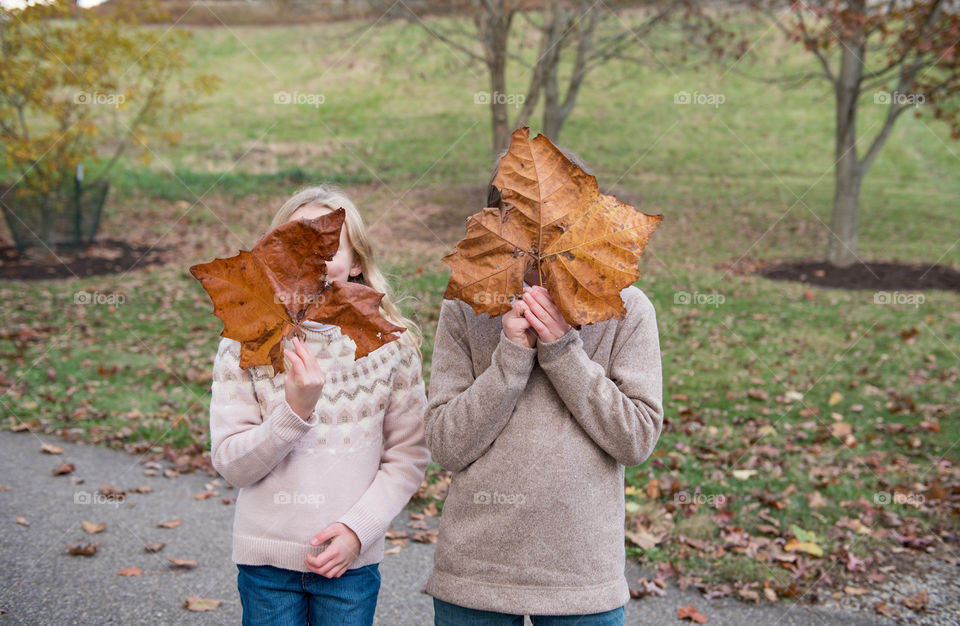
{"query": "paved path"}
[(40, 583)]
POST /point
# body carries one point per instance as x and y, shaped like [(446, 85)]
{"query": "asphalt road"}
[(40, 583)]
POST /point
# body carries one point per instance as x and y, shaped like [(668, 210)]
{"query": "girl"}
[(537, 420), (325, 454)]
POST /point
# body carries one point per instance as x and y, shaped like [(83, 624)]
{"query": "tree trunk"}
[(848, 172)]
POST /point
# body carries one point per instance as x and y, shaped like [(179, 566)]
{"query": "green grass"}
[(399, 112)]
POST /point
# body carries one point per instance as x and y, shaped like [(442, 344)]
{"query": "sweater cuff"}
[(288, 425), (366, 526), (549, 351), (513, 358)]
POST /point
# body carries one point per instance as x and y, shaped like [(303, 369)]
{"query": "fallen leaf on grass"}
[(692, 614), (86, 549), (196, 603)]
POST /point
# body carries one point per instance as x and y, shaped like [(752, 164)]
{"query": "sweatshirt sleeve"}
[(404, 458), (245, 447), (466, 414), (622, 413)]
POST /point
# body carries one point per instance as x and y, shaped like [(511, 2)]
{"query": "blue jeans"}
[(276, 596), (446, 614)]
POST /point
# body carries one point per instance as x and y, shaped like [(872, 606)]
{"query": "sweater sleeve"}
[(466, 414), (622, 413), (404, 457), (245, 447)]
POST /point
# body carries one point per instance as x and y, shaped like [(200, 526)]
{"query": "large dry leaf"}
[(263, 295), (586, 245)]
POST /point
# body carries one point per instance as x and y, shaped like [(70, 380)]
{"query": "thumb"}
[(323, 536)]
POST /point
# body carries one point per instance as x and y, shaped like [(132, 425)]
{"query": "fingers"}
[(542, 297), (323, 536)]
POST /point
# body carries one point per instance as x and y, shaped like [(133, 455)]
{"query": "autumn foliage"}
[(584, 244)]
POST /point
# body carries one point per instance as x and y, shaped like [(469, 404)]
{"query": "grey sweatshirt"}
[(537, 440)]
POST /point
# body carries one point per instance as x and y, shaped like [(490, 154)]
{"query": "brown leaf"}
[(918, 601), (182, 562), (113, 492), (196, 603), (263, 295), (49, 448), (425, 536), (86, 549), (92, 529), (130, 571), (63, 468), (22, 520), (586, 245), (170, 524), (156, 546), (692, 614)]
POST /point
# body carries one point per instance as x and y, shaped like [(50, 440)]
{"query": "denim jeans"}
[(272, 595), (446, 614)]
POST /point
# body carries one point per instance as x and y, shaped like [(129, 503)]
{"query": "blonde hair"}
[(332, 197)]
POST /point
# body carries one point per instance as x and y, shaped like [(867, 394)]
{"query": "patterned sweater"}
[(537, 440), (357, 460)]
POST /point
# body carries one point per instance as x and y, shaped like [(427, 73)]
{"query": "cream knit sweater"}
[(537, 440), (357, 460)]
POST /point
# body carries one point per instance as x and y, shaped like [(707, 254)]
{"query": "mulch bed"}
[(107, 256), (874, 275)]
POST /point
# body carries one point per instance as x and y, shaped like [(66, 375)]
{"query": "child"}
[(537, 420), (325, 454)]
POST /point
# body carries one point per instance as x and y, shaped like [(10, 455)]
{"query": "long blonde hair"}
[(332, 197)]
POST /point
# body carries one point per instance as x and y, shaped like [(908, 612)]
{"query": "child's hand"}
[(516, 327), (336, 558), (543, 315), (304, 380)]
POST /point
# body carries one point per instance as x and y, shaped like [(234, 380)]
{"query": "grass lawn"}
[(785, 404)]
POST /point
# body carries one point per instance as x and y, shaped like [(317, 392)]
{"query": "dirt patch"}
[(106, 256), (873, 275)]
